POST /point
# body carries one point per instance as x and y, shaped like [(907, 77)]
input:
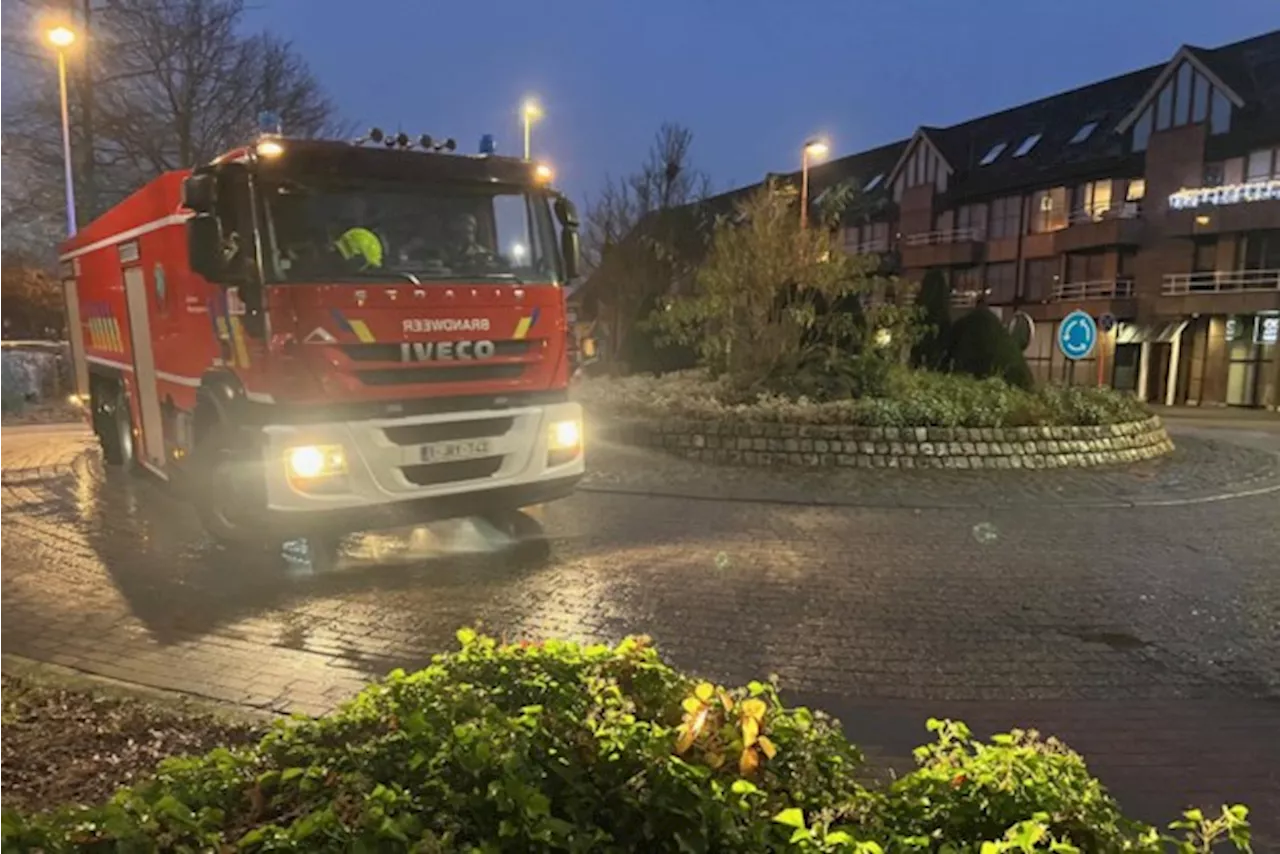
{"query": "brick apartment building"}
[(1153, 197)]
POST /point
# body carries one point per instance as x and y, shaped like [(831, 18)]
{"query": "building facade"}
[(1151, 200)]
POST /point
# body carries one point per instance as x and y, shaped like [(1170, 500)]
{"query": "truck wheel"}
[(223, 500), (112, 423)]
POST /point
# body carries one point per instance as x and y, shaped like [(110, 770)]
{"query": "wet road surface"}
[(1148, 637)]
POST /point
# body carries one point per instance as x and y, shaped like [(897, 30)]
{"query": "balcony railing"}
[(1221, 282), (1106, 289), (935, 238), (1124, 210), (868, 247)]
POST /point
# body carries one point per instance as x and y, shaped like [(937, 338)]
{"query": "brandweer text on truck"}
[(311, 336)]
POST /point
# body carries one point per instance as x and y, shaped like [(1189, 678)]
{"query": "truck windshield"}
[(356, 234)]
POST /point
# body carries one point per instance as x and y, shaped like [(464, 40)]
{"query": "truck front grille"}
[(431, 474), (448, 431), (463, 373)]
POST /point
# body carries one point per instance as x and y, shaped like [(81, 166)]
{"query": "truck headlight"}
[(565, 435), (307, 462), (564, 442)]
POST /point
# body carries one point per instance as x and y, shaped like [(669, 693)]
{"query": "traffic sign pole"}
[(1102, 354)]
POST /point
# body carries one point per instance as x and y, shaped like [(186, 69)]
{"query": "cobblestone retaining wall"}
[(770, 444)]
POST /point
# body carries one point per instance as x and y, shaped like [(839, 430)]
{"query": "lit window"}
[(991, 155), (873, 183), (1137, 189), (1086, 130), (1027, 144)]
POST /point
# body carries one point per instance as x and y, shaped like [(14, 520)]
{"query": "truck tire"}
[(224, 506), (112, 423)]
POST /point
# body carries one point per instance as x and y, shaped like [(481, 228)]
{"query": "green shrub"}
[(930, 352), (908, 399), (980, 346), (557, 747)]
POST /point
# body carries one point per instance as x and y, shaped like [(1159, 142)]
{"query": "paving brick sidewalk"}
[(1149, 637)]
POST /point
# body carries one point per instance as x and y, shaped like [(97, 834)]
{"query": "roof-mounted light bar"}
[(401, 140)]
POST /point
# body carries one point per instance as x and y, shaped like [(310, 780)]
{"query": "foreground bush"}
[(557, 747), (912, 399)]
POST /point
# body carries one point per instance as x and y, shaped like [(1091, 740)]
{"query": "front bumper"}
[(387, 475)]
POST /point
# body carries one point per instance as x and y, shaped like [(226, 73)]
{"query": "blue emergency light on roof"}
[(269, 122), (488, 145)]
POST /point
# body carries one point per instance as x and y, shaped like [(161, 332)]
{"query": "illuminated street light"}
[(543, 173), (814, 149), (62, 38), (530, 112)]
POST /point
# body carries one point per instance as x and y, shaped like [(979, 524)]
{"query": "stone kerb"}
[(828, 446)]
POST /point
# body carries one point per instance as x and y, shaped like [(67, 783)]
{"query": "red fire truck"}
[(311, 337)]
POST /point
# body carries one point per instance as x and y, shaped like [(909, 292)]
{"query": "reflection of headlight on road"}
[(311, 461), (565, 435)]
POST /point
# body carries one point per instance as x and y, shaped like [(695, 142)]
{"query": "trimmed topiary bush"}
[(980, 346), (558, 747), (931, 351)]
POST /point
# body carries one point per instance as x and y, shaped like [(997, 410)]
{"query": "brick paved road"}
[(1147, 636)]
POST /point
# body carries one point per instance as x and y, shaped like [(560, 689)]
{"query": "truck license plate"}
[(466, 449)]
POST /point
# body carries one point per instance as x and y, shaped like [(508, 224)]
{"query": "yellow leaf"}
[(754, 708), (705, 691), (727, 701), (770, 750), (748, 762), (692, 705), (750, 731), (687, 735), (715, 760)]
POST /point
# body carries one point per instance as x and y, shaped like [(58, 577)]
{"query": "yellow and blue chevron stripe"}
[(356, 327), (524, 325), (104, 329)]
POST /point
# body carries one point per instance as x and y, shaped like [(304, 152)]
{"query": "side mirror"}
[(566, 213), (571, 251), (200, 193), (204, 246)]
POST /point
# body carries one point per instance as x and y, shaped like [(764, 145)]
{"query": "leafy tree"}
[(781, 308), (638, 235), (930, 351), (982, 347), (32, 298)]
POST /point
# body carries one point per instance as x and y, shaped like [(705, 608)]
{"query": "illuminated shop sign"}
[(1266, 329), (1254, 191)]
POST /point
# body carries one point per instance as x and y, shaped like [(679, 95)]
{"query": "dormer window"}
[(1086, 130), (994, 152), (1027, 144)]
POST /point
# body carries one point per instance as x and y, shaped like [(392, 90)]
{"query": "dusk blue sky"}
[(752, 79)]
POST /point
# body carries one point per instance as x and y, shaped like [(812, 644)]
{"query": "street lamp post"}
[(814, 149), (530, 112), (62, 38)]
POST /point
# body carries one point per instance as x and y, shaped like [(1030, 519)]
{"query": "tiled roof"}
[(1057, 119)]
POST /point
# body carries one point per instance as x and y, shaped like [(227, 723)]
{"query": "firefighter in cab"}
[(360, 247)]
